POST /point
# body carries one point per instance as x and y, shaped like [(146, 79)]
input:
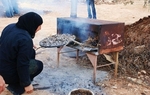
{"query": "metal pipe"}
[(73, 9)]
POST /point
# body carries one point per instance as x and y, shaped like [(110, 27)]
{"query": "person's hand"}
[(29, 89), (2, 84), (34, 47)]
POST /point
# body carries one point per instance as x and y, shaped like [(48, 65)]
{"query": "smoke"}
[(10, 8), (38, 6), (74, 8)]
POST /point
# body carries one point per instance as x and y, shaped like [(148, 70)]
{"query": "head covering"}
[(29, 22)]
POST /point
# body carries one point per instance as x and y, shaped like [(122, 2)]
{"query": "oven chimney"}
[(73, 9)]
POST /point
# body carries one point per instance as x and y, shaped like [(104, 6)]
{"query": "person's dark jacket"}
[(15, 55)]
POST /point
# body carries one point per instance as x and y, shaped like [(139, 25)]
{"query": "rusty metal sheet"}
[(111, 38)]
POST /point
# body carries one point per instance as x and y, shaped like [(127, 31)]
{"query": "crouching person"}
[(18, 65)]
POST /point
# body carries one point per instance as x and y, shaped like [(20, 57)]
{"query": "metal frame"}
[(93, 59)]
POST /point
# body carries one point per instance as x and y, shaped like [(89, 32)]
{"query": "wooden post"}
[(116, 63), (77, 55), (58, 55)]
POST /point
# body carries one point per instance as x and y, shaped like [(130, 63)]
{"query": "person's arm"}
[(2, 84), (24, 55)]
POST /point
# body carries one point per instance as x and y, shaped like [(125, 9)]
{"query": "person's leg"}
[(8, 8), (89, 9), (93, 9), (15, 6), (35, 68), (11, 8)]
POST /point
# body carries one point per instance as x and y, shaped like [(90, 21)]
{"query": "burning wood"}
[(86, 46)]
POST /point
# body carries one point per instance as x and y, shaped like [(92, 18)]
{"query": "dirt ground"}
[(129, 14)]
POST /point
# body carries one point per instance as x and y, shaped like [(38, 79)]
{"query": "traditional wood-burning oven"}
[(109, 34)]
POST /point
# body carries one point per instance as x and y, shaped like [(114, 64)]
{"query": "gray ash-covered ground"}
[(68, 76)]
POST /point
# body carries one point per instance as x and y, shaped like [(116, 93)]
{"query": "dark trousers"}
[(91, 9), (35, 68)]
